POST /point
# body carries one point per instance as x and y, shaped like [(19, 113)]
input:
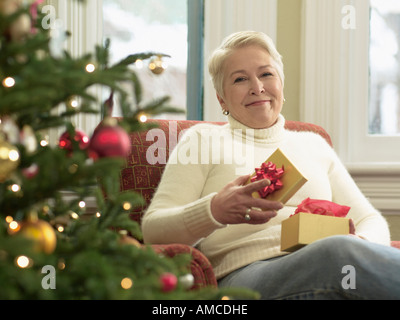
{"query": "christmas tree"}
[(50, 247)]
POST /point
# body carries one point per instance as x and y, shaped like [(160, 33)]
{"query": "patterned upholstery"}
[(142, 177)]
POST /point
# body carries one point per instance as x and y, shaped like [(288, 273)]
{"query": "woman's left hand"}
[(352, 230)]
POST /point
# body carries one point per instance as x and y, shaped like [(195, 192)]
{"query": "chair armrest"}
[(200, 266)]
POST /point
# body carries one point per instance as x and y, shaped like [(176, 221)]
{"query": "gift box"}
[(322, 219), (285, 178)]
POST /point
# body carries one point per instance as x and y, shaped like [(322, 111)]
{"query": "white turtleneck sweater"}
[(208, 157)]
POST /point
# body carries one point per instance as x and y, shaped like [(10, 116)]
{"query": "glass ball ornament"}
[(40, 232), (9, 159), (65, 141), (157, 65), (109, 140)]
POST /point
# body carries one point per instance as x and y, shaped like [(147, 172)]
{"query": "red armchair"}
[(140, 176)]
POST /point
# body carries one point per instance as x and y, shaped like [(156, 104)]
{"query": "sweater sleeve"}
[(368, 221), (178, 212)]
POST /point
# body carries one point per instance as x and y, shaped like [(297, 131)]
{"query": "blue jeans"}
[(338, 267)]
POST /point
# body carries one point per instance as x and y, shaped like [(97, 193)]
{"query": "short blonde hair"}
[(239, 40)]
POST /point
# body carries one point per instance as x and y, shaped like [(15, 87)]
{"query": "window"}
[(335, 93), (384, 104), (337, 90), (161, 26)]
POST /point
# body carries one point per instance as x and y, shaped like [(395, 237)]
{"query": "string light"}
[(139, 63), (45, 141), (82, 204), (23, 262), (8, 82), (127, 206), (7, 154), (74, 215), (13, 155), (61, 264), (15, 188), (90, 67), (126, 283), (9, 219), (142, 118), (14, 227), (98, 214)]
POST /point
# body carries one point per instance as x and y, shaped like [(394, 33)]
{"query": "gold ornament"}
[(40, 232), (157, 65), (9, 159), (125, 239)]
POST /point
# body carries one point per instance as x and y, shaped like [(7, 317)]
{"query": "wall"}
[(289, 45)]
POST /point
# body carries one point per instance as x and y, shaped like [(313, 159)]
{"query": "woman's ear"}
[(221, 102)]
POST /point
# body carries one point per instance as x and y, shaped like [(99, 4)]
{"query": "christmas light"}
[(9, 154), (15, 188), (13, 155), (9, 219), (142, 118), (126, 283), (44, 142), (98, 214), (14, 226), (23, 262), (127, 206), (61, 264), (90, 67), (74, 215), (82, 204), (9, 82), (60, 228), (139, 64)]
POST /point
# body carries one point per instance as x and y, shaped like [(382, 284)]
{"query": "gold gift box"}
[(292, 179), (304, 228)]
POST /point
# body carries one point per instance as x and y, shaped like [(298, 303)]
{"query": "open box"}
[(304, 228)]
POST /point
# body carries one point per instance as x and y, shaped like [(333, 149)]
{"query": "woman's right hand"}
[(234, 204)]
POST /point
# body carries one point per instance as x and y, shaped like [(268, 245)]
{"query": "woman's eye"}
[(240, 79), (267, 74)]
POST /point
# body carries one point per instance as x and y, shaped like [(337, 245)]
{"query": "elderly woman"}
[(203, 199)]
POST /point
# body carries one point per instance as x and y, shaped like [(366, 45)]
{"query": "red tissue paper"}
[(322, 207)]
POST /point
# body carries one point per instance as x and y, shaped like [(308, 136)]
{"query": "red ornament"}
[(168, 282), (65, 141), (109, 141)]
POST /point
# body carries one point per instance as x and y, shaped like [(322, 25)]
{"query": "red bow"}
[(269, 171)]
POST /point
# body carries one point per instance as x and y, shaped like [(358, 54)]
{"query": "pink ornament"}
[(109, 141), (168, 282)]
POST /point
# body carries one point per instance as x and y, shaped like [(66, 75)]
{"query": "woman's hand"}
[(352, 230), (234, 204)]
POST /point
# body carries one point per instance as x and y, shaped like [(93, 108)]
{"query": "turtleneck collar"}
[(274, 133)]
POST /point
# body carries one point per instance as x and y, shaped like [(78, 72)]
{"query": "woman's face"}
[(252, 88)]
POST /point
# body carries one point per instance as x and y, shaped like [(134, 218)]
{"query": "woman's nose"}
[(256, 87)]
